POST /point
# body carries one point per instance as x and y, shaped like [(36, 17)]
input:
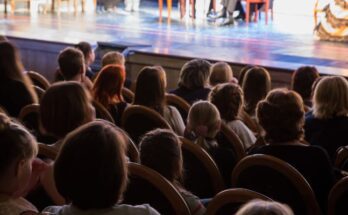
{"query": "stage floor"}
[(286, 42)]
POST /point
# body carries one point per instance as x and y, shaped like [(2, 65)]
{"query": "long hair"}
[(150, 88), (11, 68), (302, 81), (108, 85)]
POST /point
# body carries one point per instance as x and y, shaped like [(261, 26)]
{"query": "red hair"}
[(107, 88)]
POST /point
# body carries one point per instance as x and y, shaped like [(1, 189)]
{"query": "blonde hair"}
[(113, 58), (331, 98), (220, 72), (204, 121), (260, 207)]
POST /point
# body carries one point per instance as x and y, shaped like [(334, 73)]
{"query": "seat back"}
[(147, 186), (338, 198), (132, 150), (128, 95), (342, 158), (39, 91), (180, 104), (101, 112), (137, 120), (249, 122), (276, 179), (47, 151), (39, 80), (229, 201), (202, 176), (29, 116), (228, 138)]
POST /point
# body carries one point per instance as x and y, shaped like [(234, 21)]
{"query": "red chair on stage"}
[(266, 8), (182, 8)]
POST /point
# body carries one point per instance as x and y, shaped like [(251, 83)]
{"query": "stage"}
[(286, 43)]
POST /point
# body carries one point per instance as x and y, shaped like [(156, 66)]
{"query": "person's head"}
[(64, 107), (256, 85), (160, 150), (3, 38), (281, 115), (11, 67), (303, 79), (71, 63), (228, 98), (97, 179), (220, 73), (18, 148), (87, 52), (260, 207), (113, 57), (331, 97), (194, 74), (204, 121), (242, 73), (150, 88), (108, 85)]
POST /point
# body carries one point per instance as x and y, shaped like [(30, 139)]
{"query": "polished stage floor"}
[(286, 42)]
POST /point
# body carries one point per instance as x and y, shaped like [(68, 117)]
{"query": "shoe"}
[(229, 21), (240, 17)]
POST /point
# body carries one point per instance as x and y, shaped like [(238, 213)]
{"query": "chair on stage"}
[(14, 2), (182, 8), (266, 8)]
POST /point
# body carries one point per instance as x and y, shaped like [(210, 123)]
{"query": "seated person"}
[(89, 56)]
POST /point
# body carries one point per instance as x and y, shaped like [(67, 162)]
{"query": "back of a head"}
[(16, 144), (281, 115), (228, 98), (71, 63), (303, 79), (10, 64), (64, 107), (194, 74), (242, 73), (85, 48), (220, 73), (256, 85), (259, 207), (204, 119), (113, 57), (331, 97), (107, 87), (160, 150), (150, 88), (90, 170)]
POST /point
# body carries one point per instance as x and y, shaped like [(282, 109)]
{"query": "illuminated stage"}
[(285, 43)]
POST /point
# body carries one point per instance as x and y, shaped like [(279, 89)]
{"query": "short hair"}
[(16, 144), (194, 74), (113, 57), (220, 73), (108, 85), (160, 150), (303, 79), (64, 107), (260, 207), (85, 48), (331, 97), (228, 98), (92, 160), (150, 88), (71, 62), (281, 115), (256, 85)]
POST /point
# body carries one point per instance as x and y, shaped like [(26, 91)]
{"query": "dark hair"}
[(108, 85), (85, 48), (64, 107), (160, 150), (302, 81), (242, 73), (256, 85), (228, 98), (11, 68), (16, 144), (194, 74), (90, 170), (281, 115), (150, 88), (71, 62)]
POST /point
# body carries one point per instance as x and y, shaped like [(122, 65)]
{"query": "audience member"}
[(327, 124), (228, 98), (64, 107), (193, 81), (89, 57), (16, 90), (302, 81), (220, 73), (107, 90), (94, 182), (281, 115), (17, 152), (161, 150), (242, 73), (150, 92), (256, 85), (259, 207)]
